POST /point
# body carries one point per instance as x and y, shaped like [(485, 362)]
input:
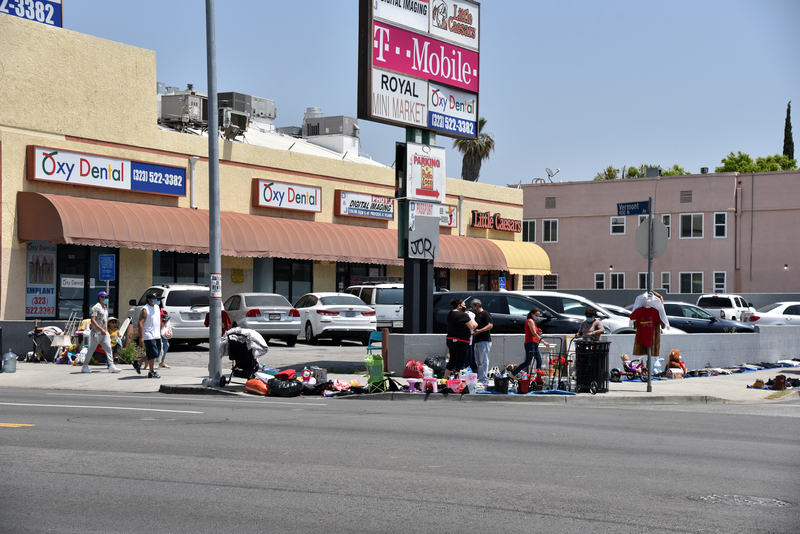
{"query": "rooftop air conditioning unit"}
[(182, 108), (231, 117)]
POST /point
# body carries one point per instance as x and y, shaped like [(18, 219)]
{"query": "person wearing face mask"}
[(100, 336), (533, 336), (592, 327), (459, 325)]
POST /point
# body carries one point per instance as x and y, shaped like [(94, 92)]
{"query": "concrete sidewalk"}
[(189, 380)]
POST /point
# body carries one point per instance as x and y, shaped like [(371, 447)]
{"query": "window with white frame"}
[(617, 225), (721, 224), (665, 282), (550, 231), (599, 280), (529, 231), (642, 218), (550, 281), (528, 281), (691, 225), (643, 281), (691, 282), (667, 220), (720, 281), (617, 280)]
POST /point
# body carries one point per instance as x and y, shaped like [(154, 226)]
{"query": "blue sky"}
[(572, 84)]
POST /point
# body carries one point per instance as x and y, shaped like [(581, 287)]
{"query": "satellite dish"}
[(549, 172)]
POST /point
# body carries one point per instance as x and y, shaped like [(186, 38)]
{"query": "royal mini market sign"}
[(77, 168)]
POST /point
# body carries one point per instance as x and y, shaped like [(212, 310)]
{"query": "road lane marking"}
[(178, 398), (14, 425), (97, 407)]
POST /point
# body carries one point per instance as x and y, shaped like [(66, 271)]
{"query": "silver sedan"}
[(269, 314), (779, 313)]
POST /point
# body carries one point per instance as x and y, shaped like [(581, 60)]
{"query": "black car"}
[(694, 320), (508, 312)]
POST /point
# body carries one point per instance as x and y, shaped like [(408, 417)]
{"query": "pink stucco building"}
[(728, 232)]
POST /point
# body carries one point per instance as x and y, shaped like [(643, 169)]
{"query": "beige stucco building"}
[(728, 232), (88, 98)]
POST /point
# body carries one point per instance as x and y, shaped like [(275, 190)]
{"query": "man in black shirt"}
[(482, 339), (459, 326)]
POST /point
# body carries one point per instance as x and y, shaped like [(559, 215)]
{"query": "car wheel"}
[(310, 339), (222, 381), (291, 341), (365, 341)]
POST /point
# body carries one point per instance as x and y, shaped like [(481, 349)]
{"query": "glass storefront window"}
[(180, 268)]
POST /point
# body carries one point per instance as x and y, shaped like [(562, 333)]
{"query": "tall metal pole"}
[(650, 288), (214, 259)]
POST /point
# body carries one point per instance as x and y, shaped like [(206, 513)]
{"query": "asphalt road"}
[(98, 462)]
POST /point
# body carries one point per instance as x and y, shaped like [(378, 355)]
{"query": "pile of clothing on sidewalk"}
[(310, 382)]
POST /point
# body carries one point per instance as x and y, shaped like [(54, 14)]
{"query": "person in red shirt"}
[(533, 336)]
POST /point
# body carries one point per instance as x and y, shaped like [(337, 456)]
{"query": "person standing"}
[(482, 340), (149, 335), (533, 336), (166, 330), (99, 334), (459, 325), (591, 327)]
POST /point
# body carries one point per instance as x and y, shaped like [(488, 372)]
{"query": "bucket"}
[(524, 385), (501, 384), (454, 385), (9, 362)]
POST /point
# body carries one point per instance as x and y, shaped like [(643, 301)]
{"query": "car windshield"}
[(265, 300), (192, 297), (770, 307), (341, 300), (389, 296)]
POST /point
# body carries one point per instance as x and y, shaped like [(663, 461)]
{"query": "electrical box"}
[(182, 108), (263, 107)]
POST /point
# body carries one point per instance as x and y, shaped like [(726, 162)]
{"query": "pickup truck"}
[(727, 306)]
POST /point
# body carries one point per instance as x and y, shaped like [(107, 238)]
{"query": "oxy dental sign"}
[(56, 165), (271, 194)]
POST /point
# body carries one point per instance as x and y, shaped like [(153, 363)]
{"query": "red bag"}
[(413, 369), (256, 387), (288, 374)]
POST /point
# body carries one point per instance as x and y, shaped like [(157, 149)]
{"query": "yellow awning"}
[(524, 258)]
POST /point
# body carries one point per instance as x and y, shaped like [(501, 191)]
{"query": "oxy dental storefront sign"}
[(354, 204), (281, 195), (76, 168)]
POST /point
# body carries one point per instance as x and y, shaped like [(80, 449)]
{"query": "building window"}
[(691, 225), (691, 282), (719, 282), (642, 218), (665, 282), (550, 231), (643, 281), (529, 231), (617, 225), (617, 280), (667, 220), (599, 280), (550, 281), (529, 281), (721, 224), (180, 268)]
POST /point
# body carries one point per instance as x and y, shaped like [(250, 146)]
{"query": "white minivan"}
[(386, 300)]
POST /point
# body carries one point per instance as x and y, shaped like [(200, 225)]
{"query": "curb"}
[(195, 390), (544, 399)]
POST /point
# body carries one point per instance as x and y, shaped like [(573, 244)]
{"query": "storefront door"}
[(73, 265)]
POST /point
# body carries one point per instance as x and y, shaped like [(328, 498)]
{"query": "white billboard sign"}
[(456, 21), (425, 171), (399, 98), (354, 204), (411, 13), (270, 194)]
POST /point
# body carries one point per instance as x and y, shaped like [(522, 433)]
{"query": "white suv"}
[(726, 306), (187, 305), (386, 300)]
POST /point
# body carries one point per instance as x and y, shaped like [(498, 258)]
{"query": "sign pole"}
[(650, 288)]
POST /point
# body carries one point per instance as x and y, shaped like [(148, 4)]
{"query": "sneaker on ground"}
[(85, 369), (153, 374), (114, 369), (137, 367)]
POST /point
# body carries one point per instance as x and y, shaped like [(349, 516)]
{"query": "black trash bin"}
[(591, 366)]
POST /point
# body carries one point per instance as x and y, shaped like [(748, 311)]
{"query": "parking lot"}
[(347, 357)]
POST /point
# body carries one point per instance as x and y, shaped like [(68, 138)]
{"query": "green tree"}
[(610, 173), (743, 163), (474, 152), (675, 170), (788, 142), (634, 172)]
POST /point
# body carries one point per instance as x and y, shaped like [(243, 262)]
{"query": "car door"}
[(232, 307), (497, 306), (675, 315), (698, 320), (302, 308), (792, 314)]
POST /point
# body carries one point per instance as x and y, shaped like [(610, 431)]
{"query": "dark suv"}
[(508, 312)]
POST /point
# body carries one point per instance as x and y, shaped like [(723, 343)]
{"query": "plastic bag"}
[(438, 364), (284, 388)]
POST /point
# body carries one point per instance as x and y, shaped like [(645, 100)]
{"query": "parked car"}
[(781, 313), (335, 316), (187, 305), (269, 314), (508, 311), (575, 306), (692, 319), (726, 306), (386, 300), (616, 310)]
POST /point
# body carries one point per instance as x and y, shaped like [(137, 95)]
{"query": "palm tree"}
[(474, 151)]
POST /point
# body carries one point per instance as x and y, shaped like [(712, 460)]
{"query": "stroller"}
[(243, 347)]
